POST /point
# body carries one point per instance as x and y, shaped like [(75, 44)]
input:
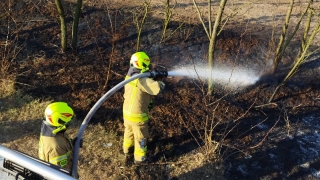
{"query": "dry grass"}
[(7, 87), (20, 118), (196, 166), (101, 149)]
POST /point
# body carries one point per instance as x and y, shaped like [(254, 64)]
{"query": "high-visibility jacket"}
[(55, 148), (138, 96)]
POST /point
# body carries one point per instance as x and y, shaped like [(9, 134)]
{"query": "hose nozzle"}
[(158, 74)]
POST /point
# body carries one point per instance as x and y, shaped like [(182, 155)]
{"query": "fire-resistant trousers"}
[(135, 135)]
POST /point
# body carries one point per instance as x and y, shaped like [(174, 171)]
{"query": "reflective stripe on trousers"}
[(140, 151), (127, 143)]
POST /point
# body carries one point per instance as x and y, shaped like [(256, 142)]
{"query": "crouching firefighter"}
[(55, 146), (137, 103)]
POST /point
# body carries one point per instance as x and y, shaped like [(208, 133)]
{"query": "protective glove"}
[(162, 86), (158, 78), (74, 142)]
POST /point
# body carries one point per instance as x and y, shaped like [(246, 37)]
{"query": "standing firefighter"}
[(137, 103), (54, 145)]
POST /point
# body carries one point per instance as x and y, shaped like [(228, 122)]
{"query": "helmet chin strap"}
[(144, 70), (58, 129)]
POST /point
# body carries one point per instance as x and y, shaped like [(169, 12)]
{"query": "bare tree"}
[(63, 25), (168, 12), (305, 44), (283, 43), (212, 32), (139, 22)]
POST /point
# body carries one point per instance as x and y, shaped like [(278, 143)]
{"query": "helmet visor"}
[(144, 65)]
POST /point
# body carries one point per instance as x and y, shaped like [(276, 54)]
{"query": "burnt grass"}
[(178, 119)]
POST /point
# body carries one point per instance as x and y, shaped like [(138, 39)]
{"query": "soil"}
[(258, 140)]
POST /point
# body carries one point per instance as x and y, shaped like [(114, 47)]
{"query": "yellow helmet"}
[(140, 60), (58, 114)]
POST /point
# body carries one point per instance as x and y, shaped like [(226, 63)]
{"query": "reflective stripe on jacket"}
[(137, 97), (55, 149)]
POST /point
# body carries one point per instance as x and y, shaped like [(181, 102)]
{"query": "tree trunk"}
[(210, 65), (63, 26), (213, 38), (75, 25)]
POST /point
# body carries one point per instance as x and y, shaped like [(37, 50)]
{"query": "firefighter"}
[(137, 103), (55, 146)]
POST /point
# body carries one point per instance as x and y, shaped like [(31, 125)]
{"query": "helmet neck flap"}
[(55, 130)]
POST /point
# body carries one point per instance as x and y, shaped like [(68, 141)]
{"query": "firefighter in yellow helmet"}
[(55, 146), (137, 103)]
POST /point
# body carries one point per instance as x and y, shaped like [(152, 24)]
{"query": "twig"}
[(232, 147), (24, 84), (294, 107), (268, 104), (266, 135), (246, 111), (8, 31), (113, 30), (225, 133), (262, 112), (117, 73), (189, 129), (219, 99), (253, 127), (162, 163)]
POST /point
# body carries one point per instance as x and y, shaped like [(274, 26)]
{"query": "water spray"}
[(229, 77), (152, 74)]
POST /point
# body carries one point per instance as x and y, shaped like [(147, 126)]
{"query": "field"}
[(233, 134)]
